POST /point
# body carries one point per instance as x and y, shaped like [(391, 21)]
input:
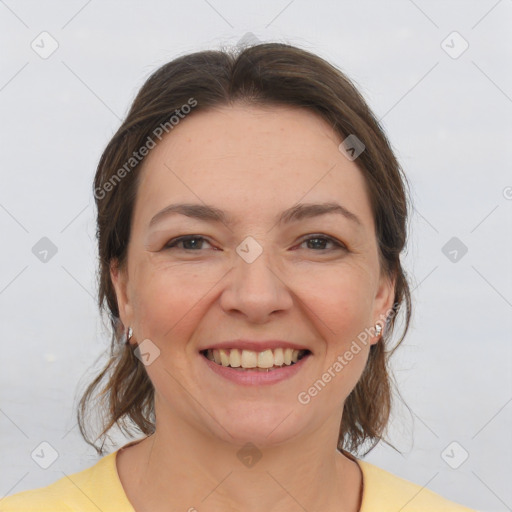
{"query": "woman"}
[(251, 216)]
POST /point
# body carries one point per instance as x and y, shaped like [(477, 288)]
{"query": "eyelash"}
[(173, 243)]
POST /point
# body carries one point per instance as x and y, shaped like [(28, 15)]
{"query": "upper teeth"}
[(250, 359)]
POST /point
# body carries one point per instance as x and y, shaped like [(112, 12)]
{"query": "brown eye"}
[(190, 243), (319, 242)]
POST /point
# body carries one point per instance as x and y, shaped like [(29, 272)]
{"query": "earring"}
[(378, 329), (129, 334)]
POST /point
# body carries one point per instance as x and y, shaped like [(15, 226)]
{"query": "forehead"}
[(249, 160)]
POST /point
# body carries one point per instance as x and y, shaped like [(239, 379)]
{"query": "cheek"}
[(339, 303), (338, 300), (169, 300)]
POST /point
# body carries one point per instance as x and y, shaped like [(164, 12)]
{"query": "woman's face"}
[(305, 281)]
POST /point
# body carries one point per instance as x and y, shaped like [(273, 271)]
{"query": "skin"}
[(252, 162)]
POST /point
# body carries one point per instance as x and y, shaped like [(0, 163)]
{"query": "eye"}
[(194, 242), (321, 240)]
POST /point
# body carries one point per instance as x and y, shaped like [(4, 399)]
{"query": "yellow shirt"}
[(99, 488)]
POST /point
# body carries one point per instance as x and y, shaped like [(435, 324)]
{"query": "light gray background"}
[(449, 120)]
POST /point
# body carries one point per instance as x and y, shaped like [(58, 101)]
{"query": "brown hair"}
[(266, 74)]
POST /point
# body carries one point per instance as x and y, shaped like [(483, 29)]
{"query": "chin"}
[(258, 423)]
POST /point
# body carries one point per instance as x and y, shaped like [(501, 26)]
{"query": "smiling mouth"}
[(244, 360)]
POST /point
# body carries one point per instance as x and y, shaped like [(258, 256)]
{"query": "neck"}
[(180, 468)]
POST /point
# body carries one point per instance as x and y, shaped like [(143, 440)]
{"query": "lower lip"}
[(257, 377)]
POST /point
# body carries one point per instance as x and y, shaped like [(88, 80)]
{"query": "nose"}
[(255, 290)]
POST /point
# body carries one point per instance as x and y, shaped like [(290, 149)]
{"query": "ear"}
[(119, 277), (383, 302)]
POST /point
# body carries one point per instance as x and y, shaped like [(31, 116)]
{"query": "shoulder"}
[(95, 488), (386, 492)]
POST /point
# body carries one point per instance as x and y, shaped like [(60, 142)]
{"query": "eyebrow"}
[(295, 213)]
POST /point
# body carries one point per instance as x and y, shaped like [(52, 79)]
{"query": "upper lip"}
[(256, 346)]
